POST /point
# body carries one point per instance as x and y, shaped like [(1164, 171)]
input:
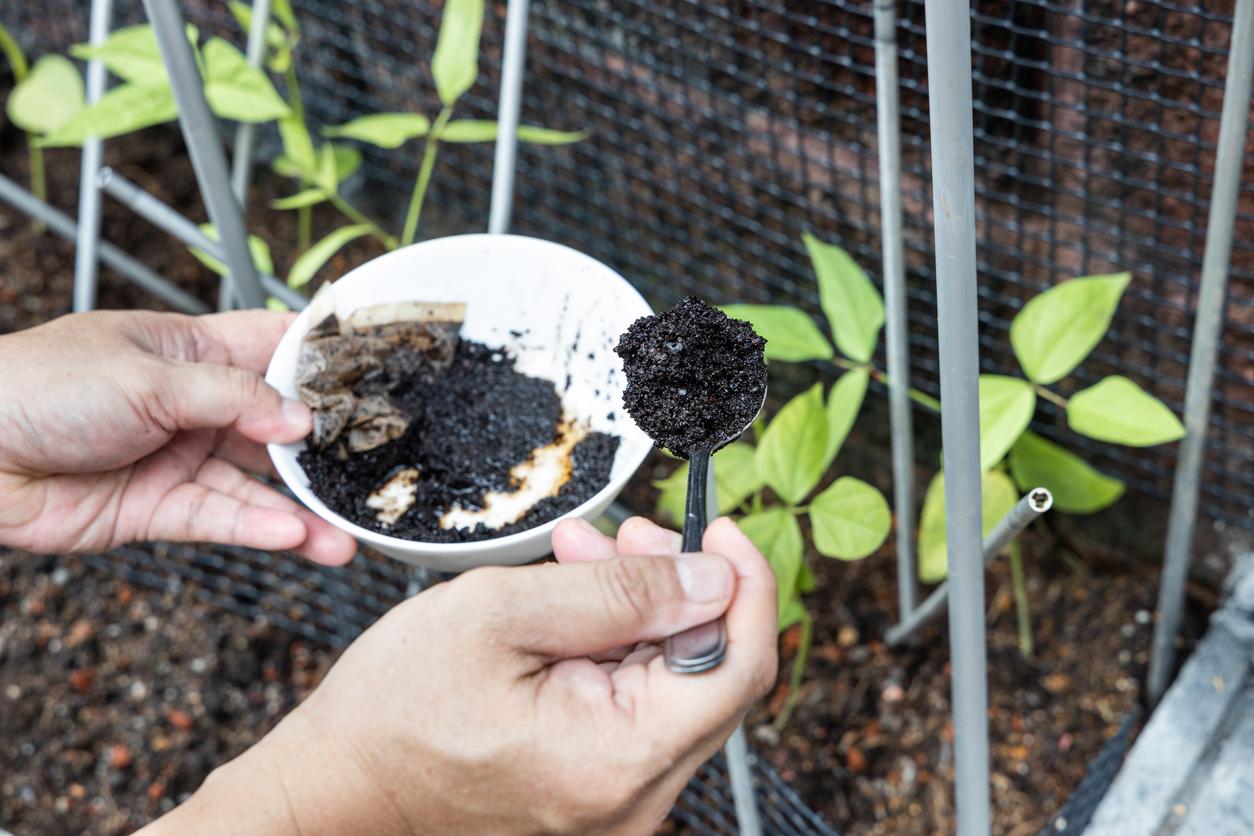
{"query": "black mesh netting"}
[(721, 132)]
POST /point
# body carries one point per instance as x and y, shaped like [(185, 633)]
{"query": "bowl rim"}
[(288, 468)]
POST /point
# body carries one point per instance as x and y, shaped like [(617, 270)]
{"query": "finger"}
[(575, 609), (245, 454), (640, 536), (195, 513), (208, 395), (244, 339), (683, 708), (324, 543), (578, 541)]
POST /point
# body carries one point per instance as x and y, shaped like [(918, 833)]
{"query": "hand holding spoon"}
[(696, 380)]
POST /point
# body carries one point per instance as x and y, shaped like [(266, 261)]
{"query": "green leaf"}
[(258, 248), (735, 480), (484, 130), (327, 176), (851, 303), (386, 130), (235, 89), (131, 53), (849, 519), (843, 403), (313, 258), (276, 39), (309, 197), (1077, 487), (274, 303), (1006, 408), (282, 9), (1116, 409), (49, 96), (347, 160), (125, 108), (776, 534), (790, 455), (298, 158), (805, 579), (999, 496), (791, 335), (794, 612), (455, 64), (1058, 328)]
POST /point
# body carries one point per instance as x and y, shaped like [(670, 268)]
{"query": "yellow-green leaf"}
[(131, 53), (1117, 410), (485, 130), (1058, 328), (456, 62), (849, 519), (791, 335), (776, 534), (852, 305), (313, 258), (257, 248), (386, 130), (843, 403), (237, 90), (1006, 407), (998, 495), (790, 455), (1077, 487), (122, 109), (49, 96), (308, 197), (735, 479)]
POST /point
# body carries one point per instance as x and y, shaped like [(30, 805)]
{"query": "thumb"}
[(212, 396), (563, 611)]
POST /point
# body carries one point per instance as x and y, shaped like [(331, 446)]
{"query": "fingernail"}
[(583, 525), (705, 578), (297, 414)]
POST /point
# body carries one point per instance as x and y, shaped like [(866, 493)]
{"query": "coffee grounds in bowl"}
[(469, 427), (695, 376)]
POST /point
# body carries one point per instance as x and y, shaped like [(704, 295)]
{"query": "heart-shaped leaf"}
[(849, 519), (790, 455), (1077, 487), (386, 130), (1116, 409), (455, 65), (1057, 329), (122, 109), (790, 334), (1006, 407), (776, 534), (237, 90), (998, 495), (48, 97), (852, 305)]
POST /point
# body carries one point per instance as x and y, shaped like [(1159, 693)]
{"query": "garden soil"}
[(116, 700)]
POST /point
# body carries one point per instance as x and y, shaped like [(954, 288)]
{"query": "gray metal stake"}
[(245, 134), (888, 120), (948, 26), (201, 135), (1036, 502), (1207, 328), (508, 106), (87, 242), (114, 258)]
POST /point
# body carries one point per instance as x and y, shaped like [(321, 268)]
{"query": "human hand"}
[(502, 702), (124, 426)]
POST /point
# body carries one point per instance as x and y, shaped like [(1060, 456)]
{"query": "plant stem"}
[(921, 398), (1052, 397), (38, 181), (304, 228), (424, 177), (357, 216), (794, 677), (1022, 610)]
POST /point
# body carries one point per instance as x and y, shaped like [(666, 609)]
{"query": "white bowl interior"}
[(559, 312)]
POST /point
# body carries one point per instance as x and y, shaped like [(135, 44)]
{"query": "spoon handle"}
[(699, 648)]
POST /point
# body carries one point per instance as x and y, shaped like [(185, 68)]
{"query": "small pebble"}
[(199, 665), (1143, 617), (892, 694), (12, 692), (60, 575), (138, 690)]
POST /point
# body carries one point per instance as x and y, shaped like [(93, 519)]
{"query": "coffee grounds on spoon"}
[(695, 376)]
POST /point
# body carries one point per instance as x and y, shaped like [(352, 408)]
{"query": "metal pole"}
[(242, 164), (1036, 502), (87, 241), (889, 124), (128, 267), (201, 135), (1207, 328), (508, 106), (948, 27), (164, 217)]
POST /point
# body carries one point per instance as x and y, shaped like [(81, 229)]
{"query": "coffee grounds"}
[(695, 376), (469, 427)]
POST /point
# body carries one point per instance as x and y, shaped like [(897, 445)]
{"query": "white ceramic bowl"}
[(556, 310)]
